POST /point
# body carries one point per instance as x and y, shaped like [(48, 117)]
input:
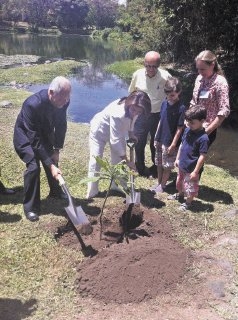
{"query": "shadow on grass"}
[(148, 199), (198, 206), (214, 195), (14, 309), (54, 206), (57, 207), (6, 217), (12, 198)]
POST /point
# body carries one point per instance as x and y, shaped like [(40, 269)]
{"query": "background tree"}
[(71, 14), (205, 24), (102, 14), (37, 12), (146, 24), (200, 24), (13, 10)]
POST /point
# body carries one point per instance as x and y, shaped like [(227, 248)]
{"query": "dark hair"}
[(209, 57), (172, 84), (196, 112), (139, 99)]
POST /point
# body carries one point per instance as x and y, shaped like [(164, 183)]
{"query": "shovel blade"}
[(79, 219), (133, 198)]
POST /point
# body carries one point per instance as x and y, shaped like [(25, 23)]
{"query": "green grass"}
[(125, 69), (35, 266), (16, 96), (37, 74)]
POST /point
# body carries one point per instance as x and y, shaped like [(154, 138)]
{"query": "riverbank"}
[(40, 276), (24, 27), (29, 73)]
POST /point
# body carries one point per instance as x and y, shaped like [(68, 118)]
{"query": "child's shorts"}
[(189, 187), (163, 159)]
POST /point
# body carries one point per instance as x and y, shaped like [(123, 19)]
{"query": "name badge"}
[(204, 94)]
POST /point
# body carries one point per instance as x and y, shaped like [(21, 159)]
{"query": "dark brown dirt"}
[(149, 263), (147, 274)]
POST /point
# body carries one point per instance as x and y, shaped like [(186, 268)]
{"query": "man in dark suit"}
[(39, 134)]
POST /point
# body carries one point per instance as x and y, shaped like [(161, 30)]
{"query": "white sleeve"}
[(118, 134), (132, 86)]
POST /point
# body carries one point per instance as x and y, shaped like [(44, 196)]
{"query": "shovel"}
[(134, 196), (128, 218), (76, 215)]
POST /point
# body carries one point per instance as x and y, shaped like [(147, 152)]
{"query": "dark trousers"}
[(142, 128), (31, 200)]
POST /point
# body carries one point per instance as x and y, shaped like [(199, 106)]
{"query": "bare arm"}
[(176, 163), (200, 163), (215, 124), (175, 139)]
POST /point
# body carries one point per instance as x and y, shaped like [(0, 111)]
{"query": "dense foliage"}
[(64, 14), (102, 14), (182, 28)]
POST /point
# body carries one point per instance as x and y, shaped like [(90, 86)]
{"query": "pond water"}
[(93, 88)]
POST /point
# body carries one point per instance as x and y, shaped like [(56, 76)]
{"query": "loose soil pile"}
[(151, 262)]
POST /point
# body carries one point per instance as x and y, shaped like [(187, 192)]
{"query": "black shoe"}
[(153, 171), (144, 173), (61, 195), (7, 191), (32, 216)]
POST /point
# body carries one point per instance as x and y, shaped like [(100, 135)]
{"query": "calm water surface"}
[(92, 87)]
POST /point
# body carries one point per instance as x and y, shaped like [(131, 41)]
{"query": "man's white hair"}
[(59, 84)]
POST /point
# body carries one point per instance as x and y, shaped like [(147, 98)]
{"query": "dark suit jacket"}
[(39, 128)]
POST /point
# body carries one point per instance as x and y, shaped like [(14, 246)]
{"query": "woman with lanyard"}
[(211, 91)]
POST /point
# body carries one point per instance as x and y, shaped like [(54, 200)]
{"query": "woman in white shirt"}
[(114, 125)]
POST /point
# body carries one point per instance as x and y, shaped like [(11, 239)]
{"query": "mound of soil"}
[(150, 263)]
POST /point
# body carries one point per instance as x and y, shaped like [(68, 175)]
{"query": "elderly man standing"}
[(150, 79), (38, 136)]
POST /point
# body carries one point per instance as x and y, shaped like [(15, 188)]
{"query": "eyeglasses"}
[(151, 66)]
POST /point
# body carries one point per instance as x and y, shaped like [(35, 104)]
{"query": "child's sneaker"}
[(157, 189), (185, 206), (176, 196)]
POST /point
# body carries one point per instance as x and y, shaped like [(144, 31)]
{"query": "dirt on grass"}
[(145, 273)]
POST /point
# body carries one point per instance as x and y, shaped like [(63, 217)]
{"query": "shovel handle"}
[(130, 143), (61, 180), (65, 189)]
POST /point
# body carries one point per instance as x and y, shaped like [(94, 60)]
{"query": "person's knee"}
[(33, 167)]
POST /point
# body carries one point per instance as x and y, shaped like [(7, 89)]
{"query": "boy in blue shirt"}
[(169, 131), (191, 156)]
